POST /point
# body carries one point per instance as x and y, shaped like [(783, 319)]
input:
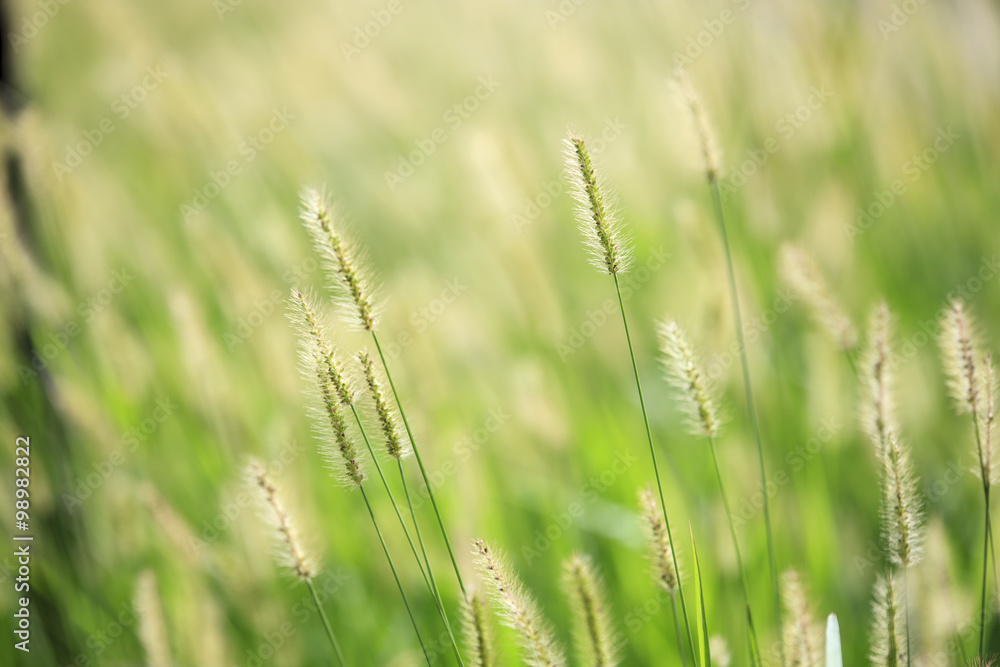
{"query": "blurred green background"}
[(149, 237)]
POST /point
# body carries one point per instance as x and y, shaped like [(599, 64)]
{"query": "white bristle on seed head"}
[(343, 261), (594, 635), (661, 553), (477, 629), (801, 275), (878, 410), (289, 550), (330, 390), (517, 609), (802, 637), (988, 420), (888, 644), (960, 349), (684, 373), (902, 512), (600, 222), (395, 446), (702, 125)]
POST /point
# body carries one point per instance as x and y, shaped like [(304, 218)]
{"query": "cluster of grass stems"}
[(351, 403)]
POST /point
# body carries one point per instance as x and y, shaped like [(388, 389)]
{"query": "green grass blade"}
[(704, 653)]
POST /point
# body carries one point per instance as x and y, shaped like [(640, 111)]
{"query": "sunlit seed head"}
[(594, 634), (988, 420), (386, 420), (477, 630), (661, 553), (902, 512), (802, 637), (290, 551), (960, 351), (600, 223), (877, 405), (801, 275), (686, 376), (702, 125), (888, 645)]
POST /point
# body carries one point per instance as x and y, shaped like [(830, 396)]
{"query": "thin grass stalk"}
[(420, 462), (427, 574), (656, 469), (755, 644), (748, 388), (395, 575), (326, 623)]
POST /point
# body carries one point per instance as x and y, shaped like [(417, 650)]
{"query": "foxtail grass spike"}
[(902, 515), (661, 551), (477, 630), (594, 634), (599, 221), (290, 550), (702, 124), (803, 278), (517, 609), (387, 422), (685, 374), (152, 628), (959, 345), (321, 367), (887, 642), (987, 421), (801, 636), (342, 263), (878, 410)]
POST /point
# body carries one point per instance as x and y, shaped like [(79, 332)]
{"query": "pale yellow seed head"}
[(290, 551)]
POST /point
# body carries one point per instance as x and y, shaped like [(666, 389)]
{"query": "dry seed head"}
[(518, 610), (661, 552), (959, 349), (321, 367), (802, 276), (702, 125), (594, 634), (902, 514), (386, 420), (684, 373), (290, 551), (152, 628), (599, 221), (342, 263), (877, 407), (888, 646), (801, 636), (987, 420), (477, 630)]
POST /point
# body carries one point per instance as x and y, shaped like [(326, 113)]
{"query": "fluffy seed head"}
[(802, 637), (342, 263), (719, 650), (477, 631), (661, 553), (684, 373), (593, 632), (386, 420), (290, 551), (888, 646), (599, 222), (902, 514), (702, 125), (152, 628), (322, 368), (960, 351), (877, 408), (802, 276), (518, 610)]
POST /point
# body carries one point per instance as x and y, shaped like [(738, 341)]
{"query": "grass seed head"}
[(290, 551), (517, 609), (960, 351), (686, 375), (386, 420), (477, 630), (801, 275), (878, 412), (888, 646), (593, 632), (801, 636), (661, 553), (600, 223), (702, 125), (341, 260), (902, 513)]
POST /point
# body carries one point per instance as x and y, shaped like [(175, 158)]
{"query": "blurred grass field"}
[(147, 354)]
